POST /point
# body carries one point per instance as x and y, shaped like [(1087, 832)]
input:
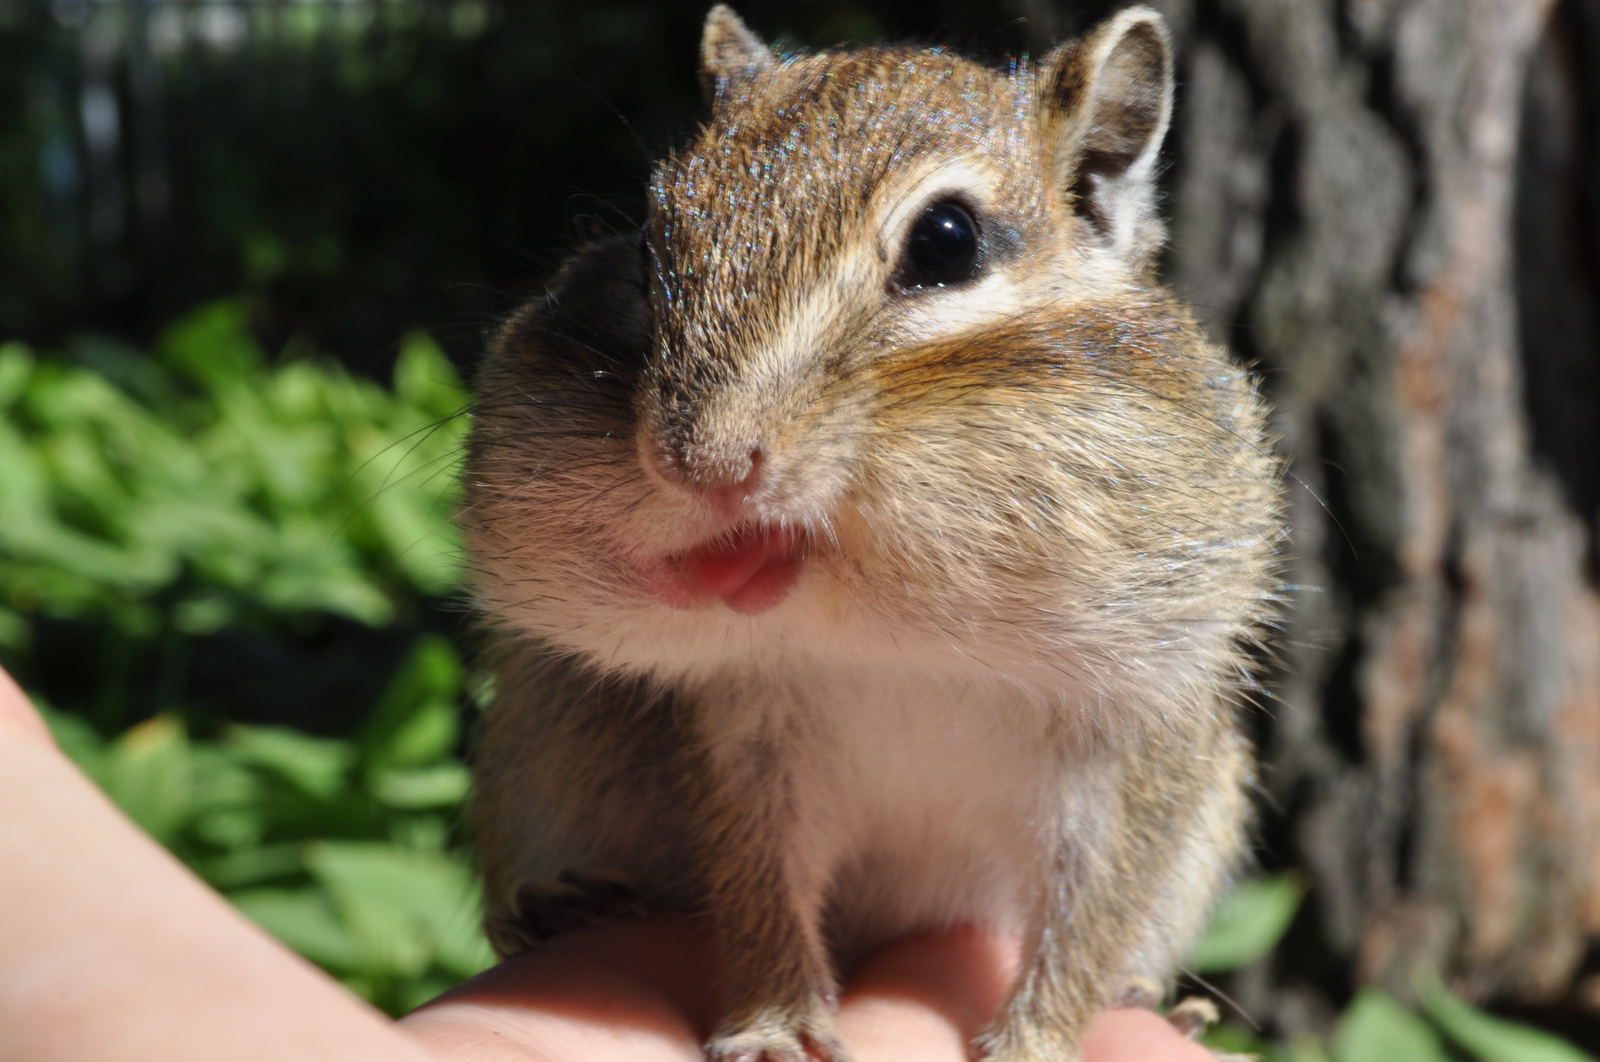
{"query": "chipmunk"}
[(877, 546)]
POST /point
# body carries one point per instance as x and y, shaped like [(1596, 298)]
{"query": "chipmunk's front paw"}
[(540, 911), (778, 1037)]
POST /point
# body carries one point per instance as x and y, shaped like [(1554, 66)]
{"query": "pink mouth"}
[(751, 572)]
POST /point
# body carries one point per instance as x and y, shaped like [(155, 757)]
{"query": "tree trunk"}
[(1366, 194)]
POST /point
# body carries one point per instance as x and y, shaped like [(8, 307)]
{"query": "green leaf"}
[(1248, 923), (414, 994), (436, 786), (429, 833), (317, 766), (229, 827), (79, 740), (251, 866), (147, 773), (1302, 1047), (205, 613), (416, 721), (16, 366), (1231, 1039), (1488, 1038), (305, 920), (425, 379), (1375, 1028), (407, 908), (212, 345), (15, 632)]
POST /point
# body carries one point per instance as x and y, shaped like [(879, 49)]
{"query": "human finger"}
[(928, 996), (640, 989)]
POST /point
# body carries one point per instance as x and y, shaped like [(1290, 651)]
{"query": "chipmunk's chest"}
[(908, 802)]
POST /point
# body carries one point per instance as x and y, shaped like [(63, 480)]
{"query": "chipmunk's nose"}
[(726, 479)]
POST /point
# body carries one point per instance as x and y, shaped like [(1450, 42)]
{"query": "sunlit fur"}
[(1040, 517)]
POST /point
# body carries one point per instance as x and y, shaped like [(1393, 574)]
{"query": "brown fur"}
[(1038, 518)]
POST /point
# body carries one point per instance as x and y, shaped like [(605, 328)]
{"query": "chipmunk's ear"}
[(729, 51), (1106, 101)]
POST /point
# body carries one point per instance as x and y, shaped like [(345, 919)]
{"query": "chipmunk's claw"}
[(773, 1039), (577, 898), (1144, 993), (1193, 1015)]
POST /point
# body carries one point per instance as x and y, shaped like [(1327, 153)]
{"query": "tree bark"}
[(1365, 195)]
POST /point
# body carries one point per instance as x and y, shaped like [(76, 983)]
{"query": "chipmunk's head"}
[(888, 357), (843, 203)]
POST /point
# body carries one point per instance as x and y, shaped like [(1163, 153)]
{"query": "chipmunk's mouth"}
[(750, 569)]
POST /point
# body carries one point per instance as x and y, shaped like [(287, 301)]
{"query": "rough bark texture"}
[(1388, 205)]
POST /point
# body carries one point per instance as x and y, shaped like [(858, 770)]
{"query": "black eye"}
[(942, 248)]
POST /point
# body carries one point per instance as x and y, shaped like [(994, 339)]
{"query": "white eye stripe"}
[(991, 296)]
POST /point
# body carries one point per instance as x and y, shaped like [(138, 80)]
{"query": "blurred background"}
[(249, 250)]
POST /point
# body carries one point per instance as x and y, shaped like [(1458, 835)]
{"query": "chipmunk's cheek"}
[(751, 572)]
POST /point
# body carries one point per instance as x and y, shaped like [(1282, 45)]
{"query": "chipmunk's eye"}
[(942, 248)]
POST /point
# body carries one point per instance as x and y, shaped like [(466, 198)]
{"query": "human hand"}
[(644, 990), (110, 951)]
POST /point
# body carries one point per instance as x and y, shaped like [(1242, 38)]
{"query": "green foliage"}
[(1250, 922), (1489, 1038), (338, 847), (1375, 1028), (204, 485)]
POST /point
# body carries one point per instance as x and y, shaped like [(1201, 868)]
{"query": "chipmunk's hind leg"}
[(1130, 887), (780, 984), (540, 911)]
